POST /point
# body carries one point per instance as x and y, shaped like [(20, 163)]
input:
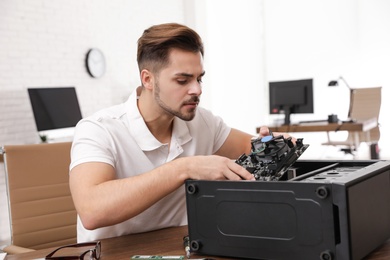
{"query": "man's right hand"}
[(214, 167)]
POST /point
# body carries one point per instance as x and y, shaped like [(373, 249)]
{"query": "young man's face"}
[(178, 87)]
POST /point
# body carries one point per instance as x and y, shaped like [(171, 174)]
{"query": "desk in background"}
[(161, 242), (352, 127), (363, 126)]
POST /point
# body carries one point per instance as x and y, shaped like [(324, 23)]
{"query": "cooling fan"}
[(271, 156)]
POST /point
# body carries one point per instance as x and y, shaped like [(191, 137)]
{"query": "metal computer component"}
[(271, 156)]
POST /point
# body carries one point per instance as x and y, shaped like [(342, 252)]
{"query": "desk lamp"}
[(334, 83)]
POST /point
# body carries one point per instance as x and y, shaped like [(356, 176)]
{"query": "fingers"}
[(264, 131), (285, 135), (237, 172), (216, 167)]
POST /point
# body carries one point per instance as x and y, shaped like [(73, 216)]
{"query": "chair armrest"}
[(13, 249)]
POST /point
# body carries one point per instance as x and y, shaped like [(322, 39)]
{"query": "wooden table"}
[(161, 242), (362, 126), (354, 128)]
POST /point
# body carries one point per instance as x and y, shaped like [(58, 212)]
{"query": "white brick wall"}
[(43, 43)]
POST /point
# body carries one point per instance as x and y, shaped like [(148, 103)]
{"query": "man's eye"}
[(182, 81), (200, 80)]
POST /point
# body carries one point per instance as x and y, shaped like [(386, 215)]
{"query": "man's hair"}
[(156, 42)]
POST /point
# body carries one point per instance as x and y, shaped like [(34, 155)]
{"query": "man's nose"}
[(196, 89)]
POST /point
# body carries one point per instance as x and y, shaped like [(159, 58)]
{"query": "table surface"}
[(161, 242), (325, 127)]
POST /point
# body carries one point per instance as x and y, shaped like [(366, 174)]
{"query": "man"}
[(130, 161)]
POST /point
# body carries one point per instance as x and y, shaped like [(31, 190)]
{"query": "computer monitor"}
[(291, 97), (54, 109)]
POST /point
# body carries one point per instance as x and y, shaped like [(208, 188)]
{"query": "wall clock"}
[(96, 63)]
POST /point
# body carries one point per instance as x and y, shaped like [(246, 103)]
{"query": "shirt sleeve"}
[(91, 143)]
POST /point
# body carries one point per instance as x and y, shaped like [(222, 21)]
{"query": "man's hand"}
[(216, 167)]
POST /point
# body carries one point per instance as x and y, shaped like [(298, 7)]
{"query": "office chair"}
[(365, 104), (42, 213)]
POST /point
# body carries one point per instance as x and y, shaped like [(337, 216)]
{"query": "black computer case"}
[(326, 210)]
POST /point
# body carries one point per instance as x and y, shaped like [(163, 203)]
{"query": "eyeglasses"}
[(94, 254)]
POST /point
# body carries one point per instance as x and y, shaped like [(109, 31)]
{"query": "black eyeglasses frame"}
[(96, 252)]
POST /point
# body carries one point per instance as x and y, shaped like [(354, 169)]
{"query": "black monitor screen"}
[(291, 97), (55, 108)]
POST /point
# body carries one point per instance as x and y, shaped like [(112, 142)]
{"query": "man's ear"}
[(147, 79)]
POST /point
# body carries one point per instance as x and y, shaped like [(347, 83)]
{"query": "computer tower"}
[(326, 210)]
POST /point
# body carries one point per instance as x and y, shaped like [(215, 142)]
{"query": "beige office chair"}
[(365, 104), (42, 213)]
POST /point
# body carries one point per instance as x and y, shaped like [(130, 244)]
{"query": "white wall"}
[(235, 62)]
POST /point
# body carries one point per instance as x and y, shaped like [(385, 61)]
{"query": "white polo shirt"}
[(119, 136)]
